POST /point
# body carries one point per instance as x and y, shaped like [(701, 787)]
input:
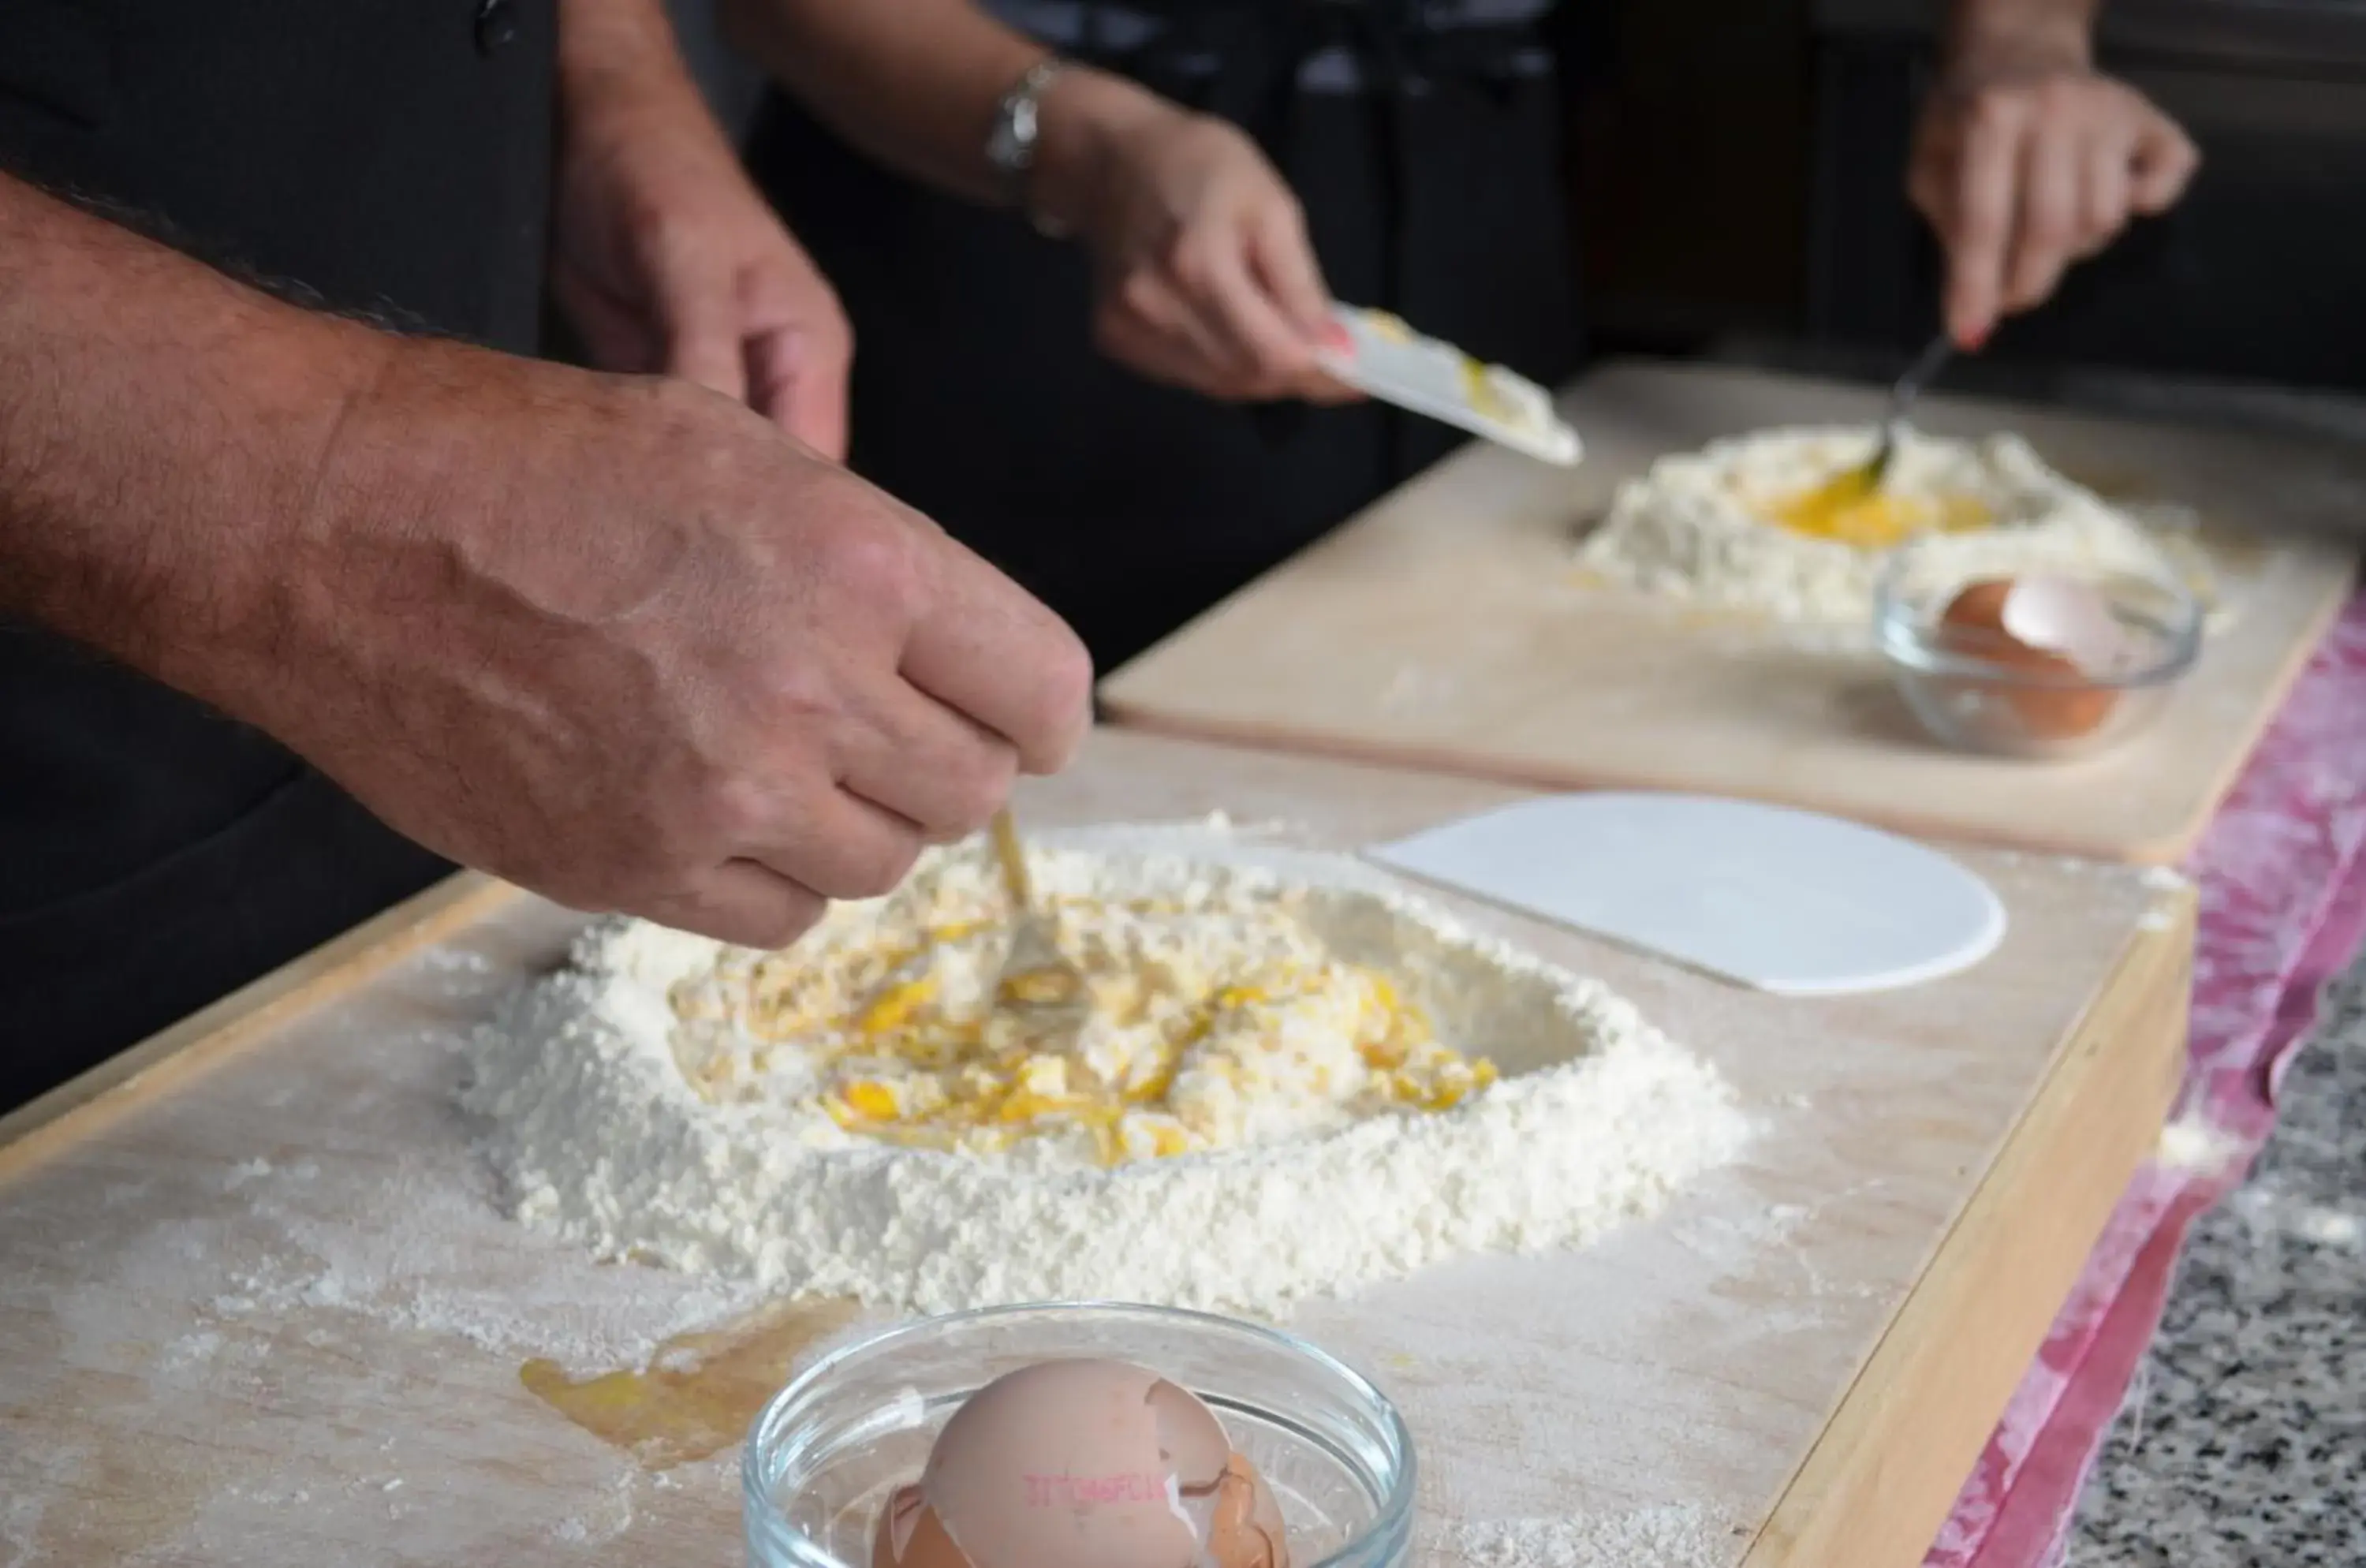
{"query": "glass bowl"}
[(824, 1455), (2007, 710)]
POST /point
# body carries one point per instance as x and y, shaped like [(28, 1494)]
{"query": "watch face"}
[(1012, 145)]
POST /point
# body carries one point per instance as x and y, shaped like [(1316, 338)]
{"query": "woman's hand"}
[(1204, 275), (2026, 162)]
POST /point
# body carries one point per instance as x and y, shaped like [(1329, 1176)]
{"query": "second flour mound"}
[(1754, 523)]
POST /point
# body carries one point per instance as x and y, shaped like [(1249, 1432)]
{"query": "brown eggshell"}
[(1974, 627), (1267, 1515), (1190, 1436), (2065, 615), (1976, 612), (1062, 1465), (910, 1536), (2061, 712), (1244, 1528)]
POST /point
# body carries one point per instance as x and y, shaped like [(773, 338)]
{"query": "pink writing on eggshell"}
[(1072, 1491)]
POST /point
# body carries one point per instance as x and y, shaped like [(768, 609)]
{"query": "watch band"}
[(1011, 149)]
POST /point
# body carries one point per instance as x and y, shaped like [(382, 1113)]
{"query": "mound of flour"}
[(1696, 525), (1596, 1119)]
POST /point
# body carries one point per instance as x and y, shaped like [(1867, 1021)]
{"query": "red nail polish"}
[(1977, 339)]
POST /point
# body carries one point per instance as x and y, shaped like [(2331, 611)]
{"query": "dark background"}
[(1736, 171)]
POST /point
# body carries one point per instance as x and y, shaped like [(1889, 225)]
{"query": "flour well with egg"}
[(1290, 1081), (1755, 523)]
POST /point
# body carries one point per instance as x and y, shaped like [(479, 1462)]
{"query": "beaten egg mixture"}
[(1215, 1020), (734, 1142), (1850, 509)]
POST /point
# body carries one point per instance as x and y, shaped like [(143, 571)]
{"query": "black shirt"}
[(382, 156), (1433, 188)]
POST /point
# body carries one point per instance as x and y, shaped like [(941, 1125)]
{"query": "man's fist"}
[(623, 641)]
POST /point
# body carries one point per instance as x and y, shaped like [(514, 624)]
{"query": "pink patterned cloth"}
[(2283, 910)]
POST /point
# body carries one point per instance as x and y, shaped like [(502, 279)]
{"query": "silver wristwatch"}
[(1011, 149)]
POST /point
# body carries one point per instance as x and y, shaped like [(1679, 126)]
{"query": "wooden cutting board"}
[(260, 1307), (1447, 628)]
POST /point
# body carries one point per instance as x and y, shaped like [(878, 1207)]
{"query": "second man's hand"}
[(2027, 159)]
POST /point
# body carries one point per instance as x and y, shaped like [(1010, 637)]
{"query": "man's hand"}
[(2027, 160), (664, 255), (1204, 274), (621, 641)]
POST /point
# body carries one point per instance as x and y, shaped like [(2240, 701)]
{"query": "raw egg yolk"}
[(1849, 509)]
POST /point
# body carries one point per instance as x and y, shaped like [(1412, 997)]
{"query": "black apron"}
[(384, 156), (1433, 191)]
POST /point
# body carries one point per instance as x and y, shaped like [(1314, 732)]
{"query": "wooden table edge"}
[(138, 1074), (1912, 1423), (1914, 1420), (1249, 736)]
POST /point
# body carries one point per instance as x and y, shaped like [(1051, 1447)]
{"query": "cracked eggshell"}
[(1065, 1464), (2062, 615), (1244, 1528), (1083, 1464), (1974, 618), (911, 1535), (1986, 621)]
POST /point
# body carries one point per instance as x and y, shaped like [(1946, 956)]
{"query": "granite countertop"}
[(2243, 1441)]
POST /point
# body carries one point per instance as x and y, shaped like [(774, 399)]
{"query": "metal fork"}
[(1037, 980), (1927, 364)]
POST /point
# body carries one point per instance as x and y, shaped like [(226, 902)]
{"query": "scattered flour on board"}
[(2193, 1144), (1597, 1119), (1674, 1537), (423, 1265), (603, 1518), (1695, 527), (2162, 879)]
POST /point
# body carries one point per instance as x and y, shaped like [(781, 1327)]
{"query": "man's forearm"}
[(917, 85), (161, 431), (2028, 32)]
